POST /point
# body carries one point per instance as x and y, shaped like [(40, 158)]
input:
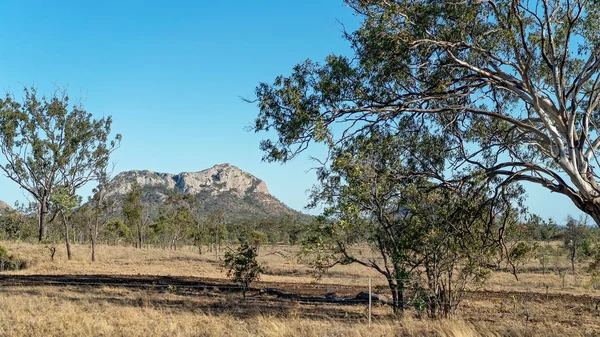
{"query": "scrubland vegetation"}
[(157, 296), (432, 126)]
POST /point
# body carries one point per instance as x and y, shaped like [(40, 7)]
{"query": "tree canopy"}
[(381, 189), (512, 86), (48, 143)]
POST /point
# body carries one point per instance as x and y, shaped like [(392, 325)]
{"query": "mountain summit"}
[(238, 193)]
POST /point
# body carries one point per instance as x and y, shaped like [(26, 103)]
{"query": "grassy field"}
[(154, 292)]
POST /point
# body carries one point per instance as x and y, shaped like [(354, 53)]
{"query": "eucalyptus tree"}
[(176, 220), (63, 203), (464, 229), (100, 205), (367, 192), (48, 143), (514, 85), (575, 236), (133, 212), (429, 235)]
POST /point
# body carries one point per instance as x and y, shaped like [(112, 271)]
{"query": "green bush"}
[(242, 266), (9, 262)]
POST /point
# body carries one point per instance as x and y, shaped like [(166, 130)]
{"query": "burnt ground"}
[(307, 300)]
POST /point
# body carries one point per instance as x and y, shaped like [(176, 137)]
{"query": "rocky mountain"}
[(239, 194)]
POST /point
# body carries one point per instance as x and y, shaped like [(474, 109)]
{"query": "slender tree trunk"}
[(67, 245), (94, 236), (94, 233), (93, 248), (139, 236), (573, 255), (394, 301), (397, 289), (43, 211)]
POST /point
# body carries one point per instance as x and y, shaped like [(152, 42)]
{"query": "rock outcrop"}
[(215, 180), (238, 193)]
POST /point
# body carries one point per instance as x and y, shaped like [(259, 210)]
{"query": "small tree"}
[(200, 235), (242, 266), (176, 221), (544, 255), (257, 238), (64, 203), (217, 229), (390, 193), (17, 226), (99, 205), (132, 210), (574, 238), (117, 231)]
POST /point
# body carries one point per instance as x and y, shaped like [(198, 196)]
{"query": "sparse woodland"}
[(432, 126)]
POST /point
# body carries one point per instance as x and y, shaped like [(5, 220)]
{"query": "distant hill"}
[(4, 208), (238, 193)]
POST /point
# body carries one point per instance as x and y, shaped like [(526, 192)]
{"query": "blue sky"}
[(172, 73)]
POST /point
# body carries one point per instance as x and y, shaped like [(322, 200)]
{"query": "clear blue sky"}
[(172, 73)]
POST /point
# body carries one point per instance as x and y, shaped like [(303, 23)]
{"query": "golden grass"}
[(116, 260), (47, 311), (499, 310)]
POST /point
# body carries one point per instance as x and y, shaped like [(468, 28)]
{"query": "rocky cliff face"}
[(223, 186)]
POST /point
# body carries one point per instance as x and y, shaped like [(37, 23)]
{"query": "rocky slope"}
[(4, 208), (239, 194)]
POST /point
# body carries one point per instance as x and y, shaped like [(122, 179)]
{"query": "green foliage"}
[(49, 143), (545, 253), (132, 210), (535, 228), (116, 231), (242, 266), (9, 262), (388, 191), (216, 227), (256, 238), (16, 226), (64, 201), (132, 206), (3, 253), (175, 222), (521, 252), (551, 232), (576, 240), (594, 266), (287, 229), (510, 85), (457, 247)]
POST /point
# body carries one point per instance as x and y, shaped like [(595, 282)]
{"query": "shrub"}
[(9, 262), (242, 266)]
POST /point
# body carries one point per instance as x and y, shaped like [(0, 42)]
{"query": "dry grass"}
[(281, 261), (49, 311), (118, 311)]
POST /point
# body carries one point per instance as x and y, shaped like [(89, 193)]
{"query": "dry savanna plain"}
[(155, 292)]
